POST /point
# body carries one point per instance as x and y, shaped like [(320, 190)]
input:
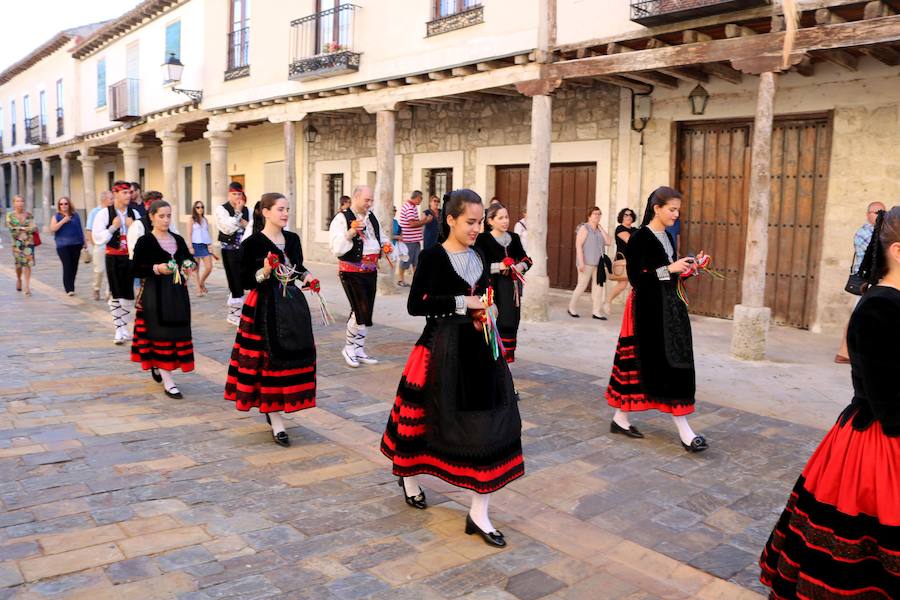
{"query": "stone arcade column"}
[(290, 169), (14, 180), (385, 123), (29, 186), (130, 158), (218, 167), (535, 305), (88, 163), (4, 199), (170, 139), (46, 192), (65, 173)]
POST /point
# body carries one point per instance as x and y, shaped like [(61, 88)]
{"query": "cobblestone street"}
[(109, 489)]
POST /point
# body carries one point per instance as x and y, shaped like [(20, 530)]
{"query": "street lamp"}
[(641, 110), (699, 98), (172, 70), (311, 133)]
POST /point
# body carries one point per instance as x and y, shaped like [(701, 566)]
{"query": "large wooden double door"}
[(713, 172), (572, 192)]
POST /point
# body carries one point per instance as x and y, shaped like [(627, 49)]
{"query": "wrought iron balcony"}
[(35, 131), (658, 12), (124, 100), (60, 123), (238, 54), (322, 44)]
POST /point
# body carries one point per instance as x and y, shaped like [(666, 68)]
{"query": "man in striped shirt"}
[(411, 233)]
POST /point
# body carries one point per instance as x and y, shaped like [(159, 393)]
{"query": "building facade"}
[(554, 105)]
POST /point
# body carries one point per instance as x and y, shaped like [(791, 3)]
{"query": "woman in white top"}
[(200, 241)]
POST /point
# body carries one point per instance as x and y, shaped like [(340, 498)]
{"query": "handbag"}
[(37, 238), (855, 281), (619, 272), (86, 256)]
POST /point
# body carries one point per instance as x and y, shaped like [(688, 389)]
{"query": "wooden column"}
[(88, 163), (751, 316), (170, 139), (130, 159), (218, 166), (46, 193), (385, 126), (290, 168), (65, 173)]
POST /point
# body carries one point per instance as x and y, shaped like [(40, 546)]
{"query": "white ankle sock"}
[(479, 511), (621, 419), (411, 486), (684, 429), (167, 381), (277, 422)]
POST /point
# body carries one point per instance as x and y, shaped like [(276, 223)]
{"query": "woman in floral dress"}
[(21, 229)]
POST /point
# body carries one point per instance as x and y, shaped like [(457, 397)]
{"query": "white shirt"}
[(226, 223), (100, 230), (200, 232), (521, 230), (341, 244)]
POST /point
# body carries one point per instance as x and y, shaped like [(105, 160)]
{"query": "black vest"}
[(115, 240), (245, 214), (356, 252)]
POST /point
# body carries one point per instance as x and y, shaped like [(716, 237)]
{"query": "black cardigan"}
[(148, 252), (436, 285), (872, 340), (494, 252), (256, 248)]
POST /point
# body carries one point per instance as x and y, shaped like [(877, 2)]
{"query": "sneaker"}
[(363, 358), (70, 293), (118, 339), (349, 359)]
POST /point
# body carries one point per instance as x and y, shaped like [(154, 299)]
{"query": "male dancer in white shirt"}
[(357, 241)]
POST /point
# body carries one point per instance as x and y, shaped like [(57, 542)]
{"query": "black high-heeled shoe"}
[(493, 538), (417, 501), (281, 438), (154, 373), (698, 444)]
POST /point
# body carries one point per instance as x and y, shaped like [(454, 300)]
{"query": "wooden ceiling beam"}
[(491, 65), (636, 86), (885, 54), (690, 75), (723, 72), (462, 71), (738, 31), (882, 30)]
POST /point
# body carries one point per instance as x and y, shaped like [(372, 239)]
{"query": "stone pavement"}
[(108, 489)]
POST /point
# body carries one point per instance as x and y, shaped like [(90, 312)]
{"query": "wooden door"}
[(713, 173), (572, 192)]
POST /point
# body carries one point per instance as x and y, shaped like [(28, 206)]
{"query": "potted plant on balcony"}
[(332, 47)]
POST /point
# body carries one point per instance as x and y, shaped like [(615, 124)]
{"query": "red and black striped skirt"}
[(404, 441), (253, 382), (625, 391), (839, 536), (167, 355)]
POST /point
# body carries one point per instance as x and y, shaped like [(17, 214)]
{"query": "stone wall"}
[(579, 114)]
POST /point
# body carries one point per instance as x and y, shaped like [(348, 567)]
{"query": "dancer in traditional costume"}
[(455, 415), (273, 361), (232, 218), (357, 241), (508, 263), (111, 229), (654, 362), (162, 326), (839, 536)]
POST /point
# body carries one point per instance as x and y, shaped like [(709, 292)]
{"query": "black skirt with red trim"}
[(625, 390), (406, 441), (254, 381), (839, 536), (159, 354)]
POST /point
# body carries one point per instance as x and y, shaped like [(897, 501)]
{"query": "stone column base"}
[(750, 331), (535, 302), (386, 284)]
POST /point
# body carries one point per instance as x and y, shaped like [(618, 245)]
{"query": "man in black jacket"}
[(232, 218)]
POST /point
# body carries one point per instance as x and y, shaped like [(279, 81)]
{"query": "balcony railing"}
[(124, 100), (60, 123), (238, 54), (322, 44), (35, 131), (658, 12)]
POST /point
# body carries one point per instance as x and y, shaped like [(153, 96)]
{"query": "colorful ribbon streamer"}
[(316, 288), (702, 265), (489, 325), (517, 277)]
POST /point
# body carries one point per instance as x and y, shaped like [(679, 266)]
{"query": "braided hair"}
[(455, 205), (874, 264)]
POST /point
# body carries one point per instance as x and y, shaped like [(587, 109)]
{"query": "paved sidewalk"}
[(108, 489)]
